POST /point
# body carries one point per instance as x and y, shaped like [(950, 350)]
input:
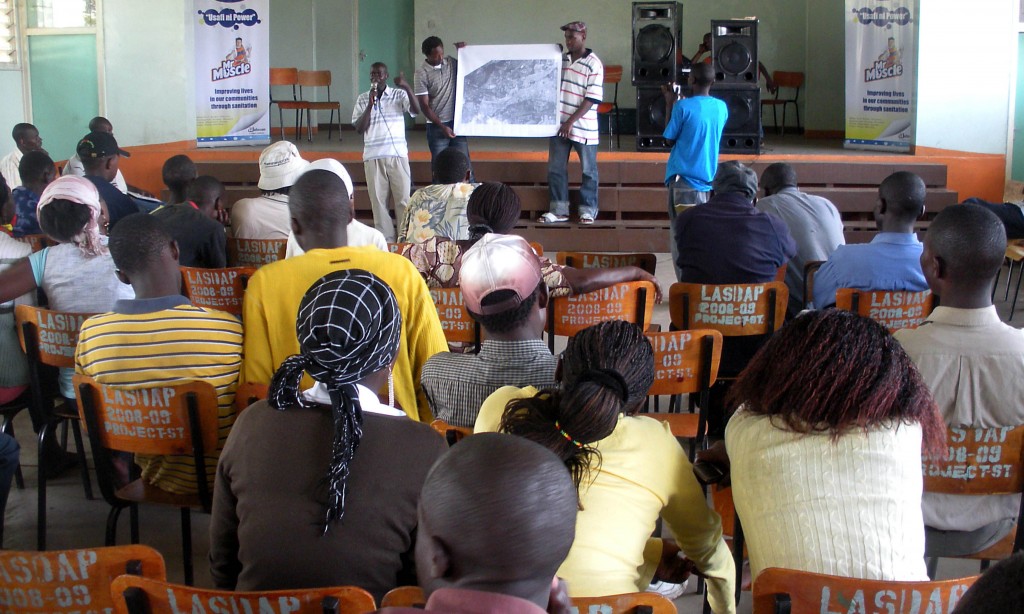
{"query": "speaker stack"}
[(734, 57), (657, 59)]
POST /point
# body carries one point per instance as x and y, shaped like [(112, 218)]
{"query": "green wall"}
[(62, 64), (1017, 172)]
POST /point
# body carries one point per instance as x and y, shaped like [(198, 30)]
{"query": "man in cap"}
[(75, 167), (582, 89), (504, 291), (266, 216), (434, 86), (26, 138), (100, 157)]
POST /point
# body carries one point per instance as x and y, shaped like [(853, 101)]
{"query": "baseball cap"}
[(99, 145), (280, 166), (498, 262), (735, 177), (332, 165), (575, 26)]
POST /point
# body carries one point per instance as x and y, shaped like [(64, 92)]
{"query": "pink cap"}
[(498, 262)]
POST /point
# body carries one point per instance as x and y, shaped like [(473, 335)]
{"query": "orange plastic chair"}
[(248, 393), (396, 248), (893, 309), (632, 301), (981, 461), (284, 77), (254, 253), (37, 242), (810, 270), (790, 80), (319, 78), (801, 592), (735, 310), (451, 433), (685, 362), (65, 580), (599, 260), (404, 596), (221, 289), (49, 339), (780, 275), (627, 603), (612, 76), (165, 420), (134, 595), (456, 322), (537, 248)]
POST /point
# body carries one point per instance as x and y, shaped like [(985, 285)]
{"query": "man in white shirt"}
[(27, 139), (379, 115)]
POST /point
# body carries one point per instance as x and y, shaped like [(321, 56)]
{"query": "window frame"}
[(10, 9)]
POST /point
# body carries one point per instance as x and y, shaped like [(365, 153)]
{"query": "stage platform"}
[(632, 196)]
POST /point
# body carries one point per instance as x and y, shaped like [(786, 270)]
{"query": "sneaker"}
[(551, 218), (586, 219), (668, 590)]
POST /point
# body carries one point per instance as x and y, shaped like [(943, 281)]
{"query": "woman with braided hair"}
[(629, 470), (320, 487)]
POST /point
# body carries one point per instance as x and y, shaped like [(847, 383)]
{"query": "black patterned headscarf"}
[(349, 327)]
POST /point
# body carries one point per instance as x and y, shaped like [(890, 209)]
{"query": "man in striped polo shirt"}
[(582, 89), (379, 115)]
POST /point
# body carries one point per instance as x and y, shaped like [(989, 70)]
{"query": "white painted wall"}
[(965, 72), (12, 111), (336, 28)]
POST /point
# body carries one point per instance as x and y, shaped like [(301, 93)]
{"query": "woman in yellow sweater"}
[(629, 470)]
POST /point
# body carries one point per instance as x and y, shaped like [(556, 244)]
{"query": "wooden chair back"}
[(314, 78), (221, 289), (66, 580), (451, 433), (49, 337), (628, 603), (284, 76), (248, 393), (37, 242), (982, 461), (404, 597), (254, 253), (893, 309), (780, 274), (133, 595), (784, 78), (735, 310), (598, 260), (632, 301), (612, 73), (800, 592), (456, 322)]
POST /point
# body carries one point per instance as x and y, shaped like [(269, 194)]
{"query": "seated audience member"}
[(278, 522), (494, 494), (194, 227), (973, 363), (160, 338), (320, 213), (503, 291), (1011, 214), (628, 470), (78, 275), (37, 172), (359, 234), (439, 209), (494, 208), (999, 589), (13, 364), (26, 139), (826, 450), (74, 165), (812, 221), (178, 173), (891, 261), (266, 216), (100, 157)]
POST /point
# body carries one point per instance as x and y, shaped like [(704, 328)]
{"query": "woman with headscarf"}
[(278, 521), (77, 274)]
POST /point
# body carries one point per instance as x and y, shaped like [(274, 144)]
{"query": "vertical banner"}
[(232, 74), (881, 61)]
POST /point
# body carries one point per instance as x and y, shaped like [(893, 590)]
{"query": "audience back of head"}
[(100, 124), (999, 589), (178, 172), (319, 199), (969, 243), (137, 243), (451, 166), (903, 193), (36, 169), (777, 176), (205, 191), (493, 207)]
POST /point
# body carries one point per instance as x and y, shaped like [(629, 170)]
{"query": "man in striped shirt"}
[(379, 115), (582, 89), (160, 338)]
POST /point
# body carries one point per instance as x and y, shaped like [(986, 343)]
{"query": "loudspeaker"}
[(650, 119), (742, 133), (657, 39), (734, 50)]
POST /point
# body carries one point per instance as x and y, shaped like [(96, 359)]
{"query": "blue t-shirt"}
[(891, 261), (25, 221), (696, 127)]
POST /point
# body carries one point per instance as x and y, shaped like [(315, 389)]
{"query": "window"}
[(61, 13), (8, 33)]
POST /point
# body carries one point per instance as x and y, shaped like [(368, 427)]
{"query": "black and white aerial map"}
[(508, 90)]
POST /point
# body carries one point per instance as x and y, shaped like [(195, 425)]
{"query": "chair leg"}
[(280, 120), (1009, 279), (1016, 290), (8, 429), (41, 493), (110, 539), (737, 555), (330, 125), (64, 435), (76, 430), (309, 125), (775, 117), (133, 521), (796, 110), (783, 131), (995, 284), (186, 543)]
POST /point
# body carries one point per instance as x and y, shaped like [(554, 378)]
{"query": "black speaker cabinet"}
[(657, 36), (650, 119), (742, 132), (734, 50)]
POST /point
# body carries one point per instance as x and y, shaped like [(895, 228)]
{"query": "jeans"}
[(437, 141), (680, 193), (558, 176), (9, 452)]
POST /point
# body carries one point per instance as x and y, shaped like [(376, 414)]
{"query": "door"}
[(386, 35)]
